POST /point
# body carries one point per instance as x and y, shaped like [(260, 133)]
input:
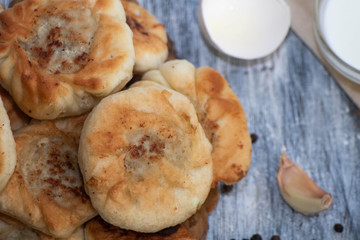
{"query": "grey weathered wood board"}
[(290, 99)]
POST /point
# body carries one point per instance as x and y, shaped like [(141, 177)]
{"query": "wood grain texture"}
[(290, 99)]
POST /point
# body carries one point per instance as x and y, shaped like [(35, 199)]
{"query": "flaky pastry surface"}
[(219, 111), (46, 190), (145, 159), (59, 57)]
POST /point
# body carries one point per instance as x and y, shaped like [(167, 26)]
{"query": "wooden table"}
[(290, 99)]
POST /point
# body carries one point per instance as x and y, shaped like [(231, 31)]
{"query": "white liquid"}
[(340, 22), (246, 29)]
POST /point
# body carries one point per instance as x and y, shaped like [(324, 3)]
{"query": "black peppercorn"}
[(226, 188), (254, 137), (338, 228), (256, 237)]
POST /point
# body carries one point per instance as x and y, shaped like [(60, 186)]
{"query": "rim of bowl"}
[(334, 60)]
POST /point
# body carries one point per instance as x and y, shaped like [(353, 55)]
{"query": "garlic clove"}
[(298, 190)]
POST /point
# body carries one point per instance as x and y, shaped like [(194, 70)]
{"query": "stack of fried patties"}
[(87, 154)]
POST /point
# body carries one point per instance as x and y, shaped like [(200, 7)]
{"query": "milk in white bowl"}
[(246, 29)]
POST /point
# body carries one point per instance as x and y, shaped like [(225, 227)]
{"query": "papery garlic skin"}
[(299, 191)]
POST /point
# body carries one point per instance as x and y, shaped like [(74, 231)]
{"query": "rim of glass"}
[(350, 72)]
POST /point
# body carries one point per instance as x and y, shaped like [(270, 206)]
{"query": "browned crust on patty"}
[(149, 37), (46, 191), (219, 111), (46, 89), (195, 228), (225, 125), (145, 159)]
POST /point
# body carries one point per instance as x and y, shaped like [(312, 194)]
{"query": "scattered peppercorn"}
[(254, 137), (256, 237), (226, 188), (338, 228), (275, 237)]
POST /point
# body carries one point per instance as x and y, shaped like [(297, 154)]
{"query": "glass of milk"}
[(337, 28)]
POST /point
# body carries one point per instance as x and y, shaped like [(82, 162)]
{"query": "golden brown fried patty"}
[(59, 57), (46, 190), (149, 37), (145, 159), (194, 228), (219, 111), (98, 229)]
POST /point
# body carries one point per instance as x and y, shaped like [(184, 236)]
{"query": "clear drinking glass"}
[(333, 59)]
